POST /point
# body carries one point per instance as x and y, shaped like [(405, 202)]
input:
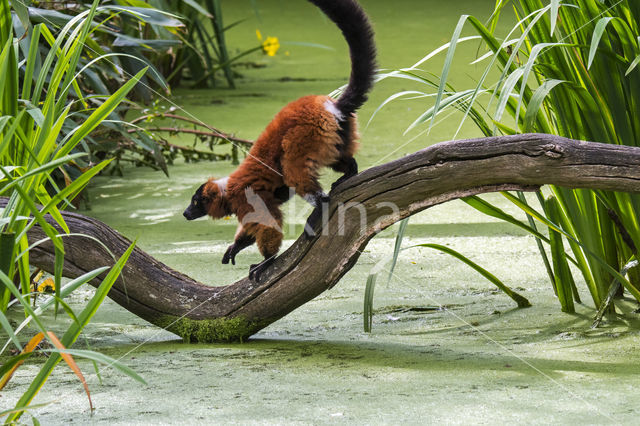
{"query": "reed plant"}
[(126, 37), (38, 94), (204, 53), (569, 69)]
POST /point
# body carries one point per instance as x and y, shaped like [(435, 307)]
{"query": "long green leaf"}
[(447, 64), (519, 299), (489, 209), (44, 169), (4, 322), (72, 333), (594, 256), (98, 115), (103, 359), (536, 101), (66, 290), (10, 363), (563, 278), (397, 247), (368, 301), (553, 15), (76, 186), (601, 25)]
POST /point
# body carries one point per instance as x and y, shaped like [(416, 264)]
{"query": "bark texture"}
[(426, 178)]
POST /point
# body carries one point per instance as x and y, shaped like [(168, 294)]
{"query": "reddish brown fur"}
[(219, 206), (301, 139), (308, 134)]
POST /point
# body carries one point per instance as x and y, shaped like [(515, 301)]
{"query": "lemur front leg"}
[(242, 240), (269, 241), (261, 220)]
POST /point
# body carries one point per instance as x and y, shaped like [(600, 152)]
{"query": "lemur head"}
[(209, 198)]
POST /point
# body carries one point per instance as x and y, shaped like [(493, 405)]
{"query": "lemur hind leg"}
[(302, 175), (346, 165), (319, 201), (312, 192), (261, 220)]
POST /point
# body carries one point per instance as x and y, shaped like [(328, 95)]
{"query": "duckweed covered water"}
[(446, 346)]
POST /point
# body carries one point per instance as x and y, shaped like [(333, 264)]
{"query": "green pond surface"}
[(447, 347)]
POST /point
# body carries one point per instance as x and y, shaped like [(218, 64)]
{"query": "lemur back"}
[(303, 138), (307, 135)]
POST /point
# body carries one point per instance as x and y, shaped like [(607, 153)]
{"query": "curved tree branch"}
[(431, 176)]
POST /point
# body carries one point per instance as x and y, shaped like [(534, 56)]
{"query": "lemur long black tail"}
[(357, 31)]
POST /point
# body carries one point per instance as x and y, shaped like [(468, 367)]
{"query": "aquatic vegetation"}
[(204, 52), (564, 69), (36, 140)]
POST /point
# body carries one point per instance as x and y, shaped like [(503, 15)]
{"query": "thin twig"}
[(195, 132)]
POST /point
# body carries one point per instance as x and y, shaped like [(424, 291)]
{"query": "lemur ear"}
[(209, 190), (217, 205)]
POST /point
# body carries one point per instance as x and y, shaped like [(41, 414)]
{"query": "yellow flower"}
[(47, 286), (270, 46), (258, 34)]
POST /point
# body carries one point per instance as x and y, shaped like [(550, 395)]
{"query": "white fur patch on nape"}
[(330, 106), (222, 185)]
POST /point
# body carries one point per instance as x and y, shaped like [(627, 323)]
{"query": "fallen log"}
[(359, 208)]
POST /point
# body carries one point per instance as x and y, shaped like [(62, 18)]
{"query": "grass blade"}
[(397, 247), (536, 103), (106, 360), (64, 292), (564, 282), (601, 25), (521, 301), (368, 301), (71, 363), (26, 352), (101, 113), (447, 65), (71, 334)]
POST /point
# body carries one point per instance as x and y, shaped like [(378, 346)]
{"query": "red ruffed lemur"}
[(306, 135)]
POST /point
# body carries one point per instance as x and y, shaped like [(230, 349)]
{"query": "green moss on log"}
[(212, 330)]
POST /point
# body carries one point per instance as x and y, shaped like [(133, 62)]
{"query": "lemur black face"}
[(198, 206)]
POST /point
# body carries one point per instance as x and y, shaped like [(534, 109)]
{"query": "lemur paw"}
[(337, 182), (255, 271), (230, 255)]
